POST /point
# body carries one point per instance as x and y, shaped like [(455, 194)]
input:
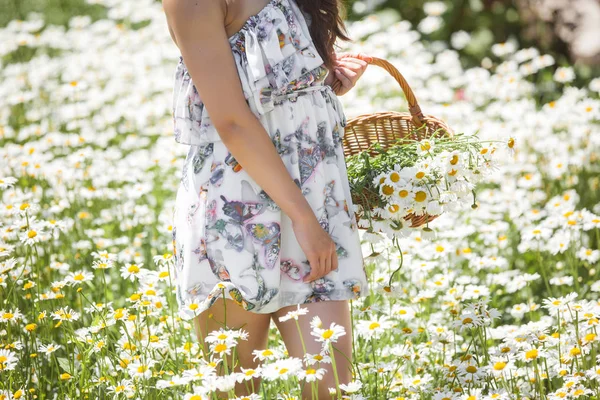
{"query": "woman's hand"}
[(318, 247), (348, 68)]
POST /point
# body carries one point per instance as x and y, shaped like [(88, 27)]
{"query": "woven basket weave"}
[(388, 129)]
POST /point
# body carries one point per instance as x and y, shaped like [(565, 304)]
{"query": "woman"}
[(263, 219)]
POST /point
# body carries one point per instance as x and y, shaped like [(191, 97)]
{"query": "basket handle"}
[(413, 106)]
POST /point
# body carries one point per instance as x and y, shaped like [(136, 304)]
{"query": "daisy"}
[(330, 335), (76, 278), (65, 314), (471, 372), (445, 395), (282, 369), (294, 314), (510, 144), (425, 146), (175, 380), (50, 348), (132, 271), (564, 74), (589, 255), (248, 373), (252, 396), (311, 359), (468, 320), (351, 387), (7, 181), (205, 395), (124, 386), (555, 305), (311, 374), (199, 372), (10, 315), (141, 369), (8, 361), (228, 336), (103, 264), (368, 329), (530, 353), (266, 354)]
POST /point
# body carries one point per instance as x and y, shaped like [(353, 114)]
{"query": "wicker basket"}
[(386, 128)]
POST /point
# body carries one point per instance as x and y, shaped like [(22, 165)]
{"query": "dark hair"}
[(326, 25)]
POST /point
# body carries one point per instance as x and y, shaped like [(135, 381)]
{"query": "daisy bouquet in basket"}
[(409, 184)]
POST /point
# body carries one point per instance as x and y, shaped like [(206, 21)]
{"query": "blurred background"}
[(569, 30)]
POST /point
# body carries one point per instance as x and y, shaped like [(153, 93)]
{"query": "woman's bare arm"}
[(199, 28)]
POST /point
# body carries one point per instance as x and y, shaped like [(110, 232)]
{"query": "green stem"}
[(335, 374)]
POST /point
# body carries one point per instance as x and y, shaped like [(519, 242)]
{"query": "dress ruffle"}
[(275, 58)]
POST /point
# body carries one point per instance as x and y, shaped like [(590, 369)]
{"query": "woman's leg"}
[(257, 326), (337, 311)]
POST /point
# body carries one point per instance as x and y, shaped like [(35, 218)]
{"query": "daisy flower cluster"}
[(429, 177)]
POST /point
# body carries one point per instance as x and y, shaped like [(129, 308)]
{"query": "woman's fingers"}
[(353, 63), (327, 264), (315, 269), (343, 77), (355, 56), (334, 259)]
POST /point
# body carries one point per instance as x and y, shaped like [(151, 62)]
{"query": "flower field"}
[(498, 301)]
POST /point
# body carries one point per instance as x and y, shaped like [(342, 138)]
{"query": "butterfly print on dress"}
[(251, 196), (290, 269), (217, 172), (241, 212), (321, 289), (202, 153), (232, 162), (269, 236)]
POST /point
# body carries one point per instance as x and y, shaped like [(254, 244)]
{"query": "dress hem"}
[(204, 302)]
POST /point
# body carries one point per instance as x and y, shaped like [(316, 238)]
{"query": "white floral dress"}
[(229, 237)]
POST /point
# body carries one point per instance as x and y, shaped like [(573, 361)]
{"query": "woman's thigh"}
[(337, 311)]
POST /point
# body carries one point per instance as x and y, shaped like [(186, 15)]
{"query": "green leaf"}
[(64, 364)]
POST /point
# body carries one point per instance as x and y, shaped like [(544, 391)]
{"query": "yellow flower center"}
[(221, 347), (134, 269), (531, 354), (387, 190), (575, 351), (327, 334)]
